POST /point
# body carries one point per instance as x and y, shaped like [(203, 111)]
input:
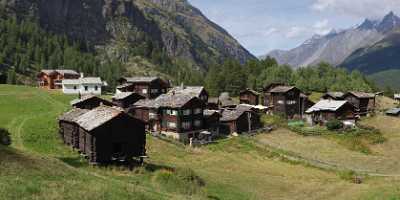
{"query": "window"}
[(96, 88), (197, 123), (144, 91), (186, 125), (174, 112), (171, 125), (75, 88), (290, 102), (186, 112), (198, 111), (203, 97), (86, 88), (281, 102)]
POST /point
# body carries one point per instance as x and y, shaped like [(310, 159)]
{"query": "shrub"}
[(334, 125), (4, 137)]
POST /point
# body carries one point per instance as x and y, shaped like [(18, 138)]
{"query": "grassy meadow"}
[(38, 166)]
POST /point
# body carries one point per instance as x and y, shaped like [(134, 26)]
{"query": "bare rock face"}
[(182, 30)]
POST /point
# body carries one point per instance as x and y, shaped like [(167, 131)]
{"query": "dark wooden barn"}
[(284, 100), (126, 99), (326, 110), (149, 87), (239, 121), (212, 120), (90, 102), (364, 102), (108, 134), (249, 96), (68, 129)]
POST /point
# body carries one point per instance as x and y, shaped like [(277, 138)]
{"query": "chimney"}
[(82, 75)]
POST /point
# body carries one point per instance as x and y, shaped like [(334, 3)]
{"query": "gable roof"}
[(60, 71), (166, 100), (97, 117), (71, 115), (86, 80), (87, 98), (231, 115), (281, 89), (251, 91), (140, 79), (326, 105), (362, 95), (270, 86), (174, 101), (213, 100), (397, 96), (188, 90), (124, 95)]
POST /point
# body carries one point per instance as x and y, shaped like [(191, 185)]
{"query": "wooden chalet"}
[(89, 102), (195, 91), (333, 96), (212, 120), (286, 100), (326, 110), (249, 96), (149, 87), (108, 134), (69, 131), (126, 99), (239, 121), (178, 116), (364, 102), (52, 79)]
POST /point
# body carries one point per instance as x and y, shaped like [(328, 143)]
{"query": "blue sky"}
[(264, 25)]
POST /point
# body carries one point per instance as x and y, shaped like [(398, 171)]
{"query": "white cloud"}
[(322, 27), (357, 8)]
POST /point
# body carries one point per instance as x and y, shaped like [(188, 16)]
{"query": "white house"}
[(83, 85)]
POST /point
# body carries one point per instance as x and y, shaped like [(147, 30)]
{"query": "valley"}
[(236, 168)]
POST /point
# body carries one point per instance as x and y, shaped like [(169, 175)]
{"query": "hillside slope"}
[(382, 56), (39, 166), (387, 78), (335, 47), (179, 29)]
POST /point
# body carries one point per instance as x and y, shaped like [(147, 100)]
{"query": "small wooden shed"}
[(239, 121), (68, 129), (108, 134), (364, 102), (326, 110), (249, 96), (90, 102)]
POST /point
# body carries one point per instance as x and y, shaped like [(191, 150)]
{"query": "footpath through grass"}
[(38, 166)]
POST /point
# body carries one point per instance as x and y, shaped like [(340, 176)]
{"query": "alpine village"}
[(149, 99)]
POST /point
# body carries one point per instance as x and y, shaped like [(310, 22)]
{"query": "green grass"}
[(38, 166)]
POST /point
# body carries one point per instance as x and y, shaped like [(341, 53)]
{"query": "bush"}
[(4, 137), (334, 124)]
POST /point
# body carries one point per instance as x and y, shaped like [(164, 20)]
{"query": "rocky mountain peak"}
[(388, 23)]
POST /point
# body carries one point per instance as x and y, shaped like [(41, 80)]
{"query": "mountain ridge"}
[(335, 47), (180, 29)]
